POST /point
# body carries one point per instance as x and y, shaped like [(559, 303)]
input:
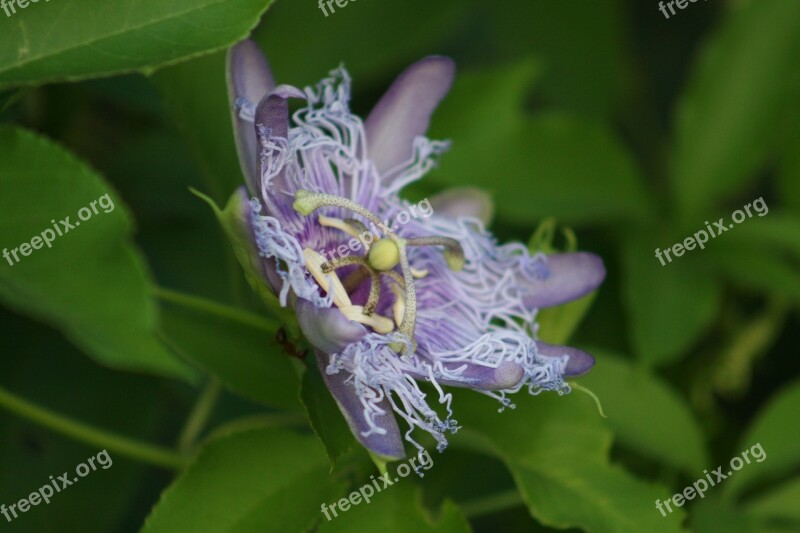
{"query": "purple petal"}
[(272, 119), (249, 79), (273, 110), (404, 111), (579, 362), (464, 202), (390, 444), (563, 278), (506, 376), (327, 329)]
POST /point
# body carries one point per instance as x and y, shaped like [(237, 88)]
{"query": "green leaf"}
[(395, 510), (778, 504), (242, 353), (557, 451), (725, 122), (669, 305), (776, 429), (255, 480), (534, 166), (71, 41), (91, 283), (592, 496), (646, 414), (325, 417)]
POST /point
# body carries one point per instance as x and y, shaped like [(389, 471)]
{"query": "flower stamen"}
[(453, 252), (330, 266), (346, 226), (419, 273), (379, 323), (399, 307), (375, 284), (306, 202), (314, 264), (382, 257)]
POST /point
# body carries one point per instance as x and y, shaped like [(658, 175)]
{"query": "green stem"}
[(492, 504), (124, 446), (214, 308), (199, 416)]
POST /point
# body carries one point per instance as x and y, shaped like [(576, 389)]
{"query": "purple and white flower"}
[(435, 300)]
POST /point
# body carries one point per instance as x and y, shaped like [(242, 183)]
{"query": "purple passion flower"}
[(435, 299)]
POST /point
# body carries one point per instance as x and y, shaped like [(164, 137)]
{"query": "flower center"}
[(381, 259)]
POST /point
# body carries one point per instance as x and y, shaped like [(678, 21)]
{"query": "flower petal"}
[(562, 278), (505, 376), (404, 111), (579, 362), (326, 328), (272, 120), (464, 202), (249, 79), (390, 443), (273, 110)]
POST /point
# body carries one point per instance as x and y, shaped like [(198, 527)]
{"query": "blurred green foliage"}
[(630, 129)]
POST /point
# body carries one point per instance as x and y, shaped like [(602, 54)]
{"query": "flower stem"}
[(199, 415), (492, 504), (124, 446), (214, 308)]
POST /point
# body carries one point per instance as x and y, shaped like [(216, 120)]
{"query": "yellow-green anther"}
[(455, 259), (453, 252), (384, 255), (306, 202), (302, 204)]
